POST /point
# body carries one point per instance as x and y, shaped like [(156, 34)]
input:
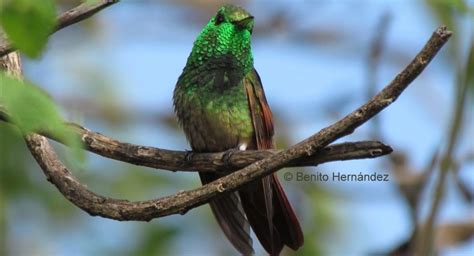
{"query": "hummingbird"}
[(221, 106)]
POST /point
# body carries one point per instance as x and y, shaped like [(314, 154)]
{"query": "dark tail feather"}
[(285, 218), (231, 218), (268, 196), (286, 228)]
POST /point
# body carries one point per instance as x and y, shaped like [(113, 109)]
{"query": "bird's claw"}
[(228, 154), (189, 156)]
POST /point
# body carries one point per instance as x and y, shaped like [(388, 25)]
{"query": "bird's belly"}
[(219, 123)]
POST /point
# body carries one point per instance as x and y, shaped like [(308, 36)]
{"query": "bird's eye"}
[(219, 19)]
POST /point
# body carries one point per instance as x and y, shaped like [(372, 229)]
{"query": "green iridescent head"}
[(234, 17), (227, 34)]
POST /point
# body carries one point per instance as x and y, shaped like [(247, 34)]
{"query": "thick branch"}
[(183, 201), (222, 162), (211, 162), (67, 18)]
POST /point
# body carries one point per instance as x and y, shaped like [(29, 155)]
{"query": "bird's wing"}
[(262, 117), (277, 225)]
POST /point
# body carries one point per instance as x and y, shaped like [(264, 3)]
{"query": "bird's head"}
[(231, 18), (228, 33)]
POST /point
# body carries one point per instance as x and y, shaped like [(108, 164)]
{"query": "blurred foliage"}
[(450, 12), (32, 110), (18, 183), (156, 241), (28, 23), (321, 220)]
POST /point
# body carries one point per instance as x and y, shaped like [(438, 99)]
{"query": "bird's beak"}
[(246, 23)]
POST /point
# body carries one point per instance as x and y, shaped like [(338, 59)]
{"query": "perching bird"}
[(220, 103)]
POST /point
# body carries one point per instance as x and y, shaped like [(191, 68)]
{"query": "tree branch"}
[(222, 162), (181, 202), (211, 162), (67, 18)]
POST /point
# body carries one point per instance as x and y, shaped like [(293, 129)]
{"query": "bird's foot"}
[(228, 154), (189, 156)]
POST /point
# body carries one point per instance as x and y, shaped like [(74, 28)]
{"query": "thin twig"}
[(373, 65), (181, 202), (67, 18), (425, 237)]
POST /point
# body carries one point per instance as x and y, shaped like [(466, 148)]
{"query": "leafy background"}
[(318, 60)]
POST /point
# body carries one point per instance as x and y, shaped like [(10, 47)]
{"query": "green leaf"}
[(32, 110), (28, 23)]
